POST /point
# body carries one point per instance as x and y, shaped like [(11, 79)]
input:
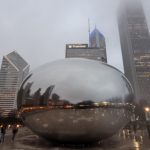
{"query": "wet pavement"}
[(124, 140)]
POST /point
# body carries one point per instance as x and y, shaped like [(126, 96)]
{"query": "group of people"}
[(3, 132)]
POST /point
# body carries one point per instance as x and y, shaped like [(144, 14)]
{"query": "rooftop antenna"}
[(95, 26), (89, 31)]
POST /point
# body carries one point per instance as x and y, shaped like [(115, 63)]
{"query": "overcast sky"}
[(39, 29)]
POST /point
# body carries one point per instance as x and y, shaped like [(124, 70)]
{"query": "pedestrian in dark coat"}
[(3, 132), (14, 132)]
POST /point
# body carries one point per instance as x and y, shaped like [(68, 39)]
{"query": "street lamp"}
[(147, 117), (147, 113), (147, 109)]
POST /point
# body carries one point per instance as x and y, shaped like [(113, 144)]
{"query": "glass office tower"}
[(13, 70), (135, 46), (95, 51)]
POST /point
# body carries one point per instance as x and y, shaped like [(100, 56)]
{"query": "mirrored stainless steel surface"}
[(75, 100)]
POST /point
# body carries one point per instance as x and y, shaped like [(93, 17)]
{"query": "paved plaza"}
[(26, 140)]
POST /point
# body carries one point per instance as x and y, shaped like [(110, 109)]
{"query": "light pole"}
[(147, 117), (147, 113)]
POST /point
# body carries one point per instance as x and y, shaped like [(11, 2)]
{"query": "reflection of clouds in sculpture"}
[(96, 77)]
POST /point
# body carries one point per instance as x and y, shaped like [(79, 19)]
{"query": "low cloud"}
[(39, 30)]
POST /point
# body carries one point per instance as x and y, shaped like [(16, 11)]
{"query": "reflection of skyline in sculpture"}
[(76, 105), (50, 97), (46, 95)]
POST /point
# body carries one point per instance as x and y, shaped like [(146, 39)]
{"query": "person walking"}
[(0, 136), (3, 132), (14, 132)]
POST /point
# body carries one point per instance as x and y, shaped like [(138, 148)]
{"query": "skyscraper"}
[(96, 39), (96, 49), (13, 70), (135, 46)]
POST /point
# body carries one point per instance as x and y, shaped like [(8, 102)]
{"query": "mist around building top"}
[(39, 30)]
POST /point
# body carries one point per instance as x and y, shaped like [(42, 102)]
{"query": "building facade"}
[(13, 70), (78, 51), (95, 51), (96, 39), (135, 46)]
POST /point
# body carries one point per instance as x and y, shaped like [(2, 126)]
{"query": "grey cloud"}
[(39, 29)]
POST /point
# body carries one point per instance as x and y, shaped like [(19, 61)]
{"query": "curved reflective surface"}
[(75, 100)]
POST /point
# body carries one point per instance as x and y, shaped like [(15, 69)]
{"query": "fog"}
[(39, 29)]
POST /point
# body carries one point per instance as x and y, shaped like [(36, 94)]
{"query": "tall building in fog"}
[(13, 70), (96, 49), (96, 39), (135, 45)]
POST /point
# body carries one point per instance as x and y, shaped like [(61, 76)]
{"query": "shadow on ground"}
[(41, 143)]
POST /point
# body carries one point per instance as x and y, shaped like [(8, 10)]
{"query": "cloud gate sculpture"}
[(75, 100)]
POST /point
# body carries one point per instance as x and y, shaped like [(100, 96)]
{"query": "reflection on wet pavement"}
[(124, 140)]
